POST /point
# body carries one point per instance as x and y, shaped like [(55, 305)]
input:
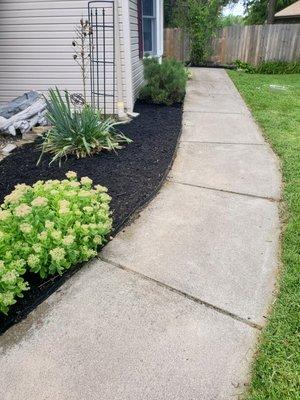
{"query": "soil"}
[(132, 177)]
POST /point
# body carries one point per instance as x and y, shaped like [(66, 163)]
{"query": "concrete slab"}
[(218, 247), (109, 335), (238, 168), (215, 127), (201, 101), (211, 90), (211, 75), (214, 83)]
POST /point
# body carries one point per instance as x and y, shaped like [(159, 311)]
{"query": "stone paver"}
[(247, 169), (218, 247), (173, 312), (109, 335)]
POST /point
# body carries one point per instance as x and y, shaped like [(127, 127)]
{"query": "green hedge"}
[(270, 67)]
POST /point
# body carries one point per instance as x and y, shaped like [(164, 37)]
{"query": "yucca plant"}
[(82, 133)]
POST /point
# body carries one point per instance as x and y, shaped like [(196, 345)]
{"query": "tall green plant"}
[(200, 18), (82, 133)]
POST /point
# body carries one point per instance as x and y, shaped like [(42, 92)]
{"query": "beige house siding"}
[(35, 46), (137, 63)]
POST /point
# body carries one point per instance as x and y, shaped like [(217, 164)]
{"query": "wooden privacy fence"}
[(176, 44), (251, 43)]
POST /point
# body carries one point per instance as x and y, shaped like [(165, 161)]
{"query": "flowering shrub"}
[(48, 227)]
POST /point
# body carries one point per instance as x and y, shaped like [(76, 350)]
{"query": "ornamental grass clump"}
[(47, 228), (81, 132)]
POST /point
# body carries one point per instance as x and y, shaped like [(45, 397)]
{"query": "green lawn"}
[(276, 371)]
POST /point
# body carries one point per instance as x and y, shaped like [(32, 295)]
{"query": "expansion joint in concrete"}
[(226, 143), (215, 112), (184, 294), (222, 190)]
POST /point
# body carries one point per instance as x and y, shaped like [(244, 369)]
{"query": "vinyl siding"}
[(35, 46), (136, 62)]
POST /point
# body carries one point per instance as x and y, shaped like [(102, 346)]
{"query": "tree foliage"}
[(170, 7), (200, 18), (257, 10), (231, 19)]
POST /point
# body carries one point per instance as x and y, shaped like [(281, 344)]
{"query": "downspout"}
[(119, 75), (127, 55), (160, 28)]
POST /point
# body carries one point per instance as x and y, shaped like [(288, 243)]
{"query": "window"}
[(149, 26)]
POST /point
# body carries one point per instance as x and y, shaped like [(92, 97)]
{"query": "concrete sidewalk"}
[(173, 308)]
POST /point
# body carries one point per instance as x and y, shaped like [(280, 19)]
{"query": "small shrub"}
[(82, 133), (47, 228), (165, 82), (244, 66), (269, 67)]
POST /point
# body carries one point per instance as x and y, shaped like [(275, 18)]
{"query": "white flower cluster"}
[(47, 228)]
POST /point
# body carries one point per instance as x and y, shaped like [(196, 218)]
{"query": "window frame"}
[(153, 19)]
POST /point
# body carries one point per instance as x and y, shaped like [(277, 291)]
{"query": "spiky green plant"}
[(83, 133)]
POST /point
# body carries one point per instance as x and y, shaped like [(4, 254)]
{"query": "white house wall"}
[(35, 46), (137, 63)]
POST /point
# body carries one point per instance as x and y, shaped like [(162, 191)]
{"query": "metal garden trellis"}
[(101, 16)]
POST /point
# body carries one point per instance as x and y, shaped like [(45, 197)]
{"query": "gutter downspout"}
[(119, 75), (127, 55)]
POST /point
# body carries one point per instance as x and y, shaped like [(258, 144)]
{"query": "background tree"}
[(231, 19), (271, 11), (201, 19), (257, 10), (170, 7)]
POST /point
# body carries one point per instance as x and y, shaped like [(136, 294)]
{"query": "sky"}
[(236, 9)]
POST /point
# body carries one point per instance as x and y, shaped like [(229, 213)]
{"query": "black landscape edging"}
[(133, 177)]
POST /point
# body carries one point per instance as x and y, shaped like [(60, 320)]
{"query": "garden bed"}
[(132, 177)]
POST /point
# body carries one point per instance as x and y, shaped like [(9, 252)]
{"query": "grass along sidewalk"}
[(276, 371)]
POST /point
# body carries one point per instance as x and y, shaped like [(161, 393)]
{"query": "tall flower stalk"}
[(82, 50)]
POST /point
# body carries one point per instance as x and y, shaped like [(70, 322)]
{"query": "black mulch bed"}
[(132, 177)]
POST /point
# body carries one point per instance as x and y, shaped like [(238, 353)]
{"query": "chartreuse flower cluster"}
[(47, 228)]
